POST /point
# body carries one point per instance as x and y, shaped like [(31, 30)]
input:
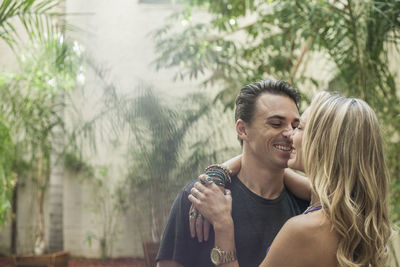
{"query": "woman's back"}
[(306, 240), (324, 240)]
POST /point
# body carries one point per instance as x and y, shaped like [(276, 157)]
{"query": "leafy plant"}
[(245, 41), (109, 203), (33, 100), (36, 17), (39, 22), (77, 165), (162, 156), (7, 177)]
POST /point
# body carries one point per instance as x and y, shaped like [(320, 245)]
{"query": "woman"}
[(339, 146)]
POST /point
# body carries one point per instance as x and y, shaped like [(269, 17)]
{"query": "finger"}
[(221, 188), (192, 222), (194, 200), (206, 180), (195, 193), (216, 187), (196, 223), (206, 229), (199, 228), (199, 187), (228, 194), (202, 177)]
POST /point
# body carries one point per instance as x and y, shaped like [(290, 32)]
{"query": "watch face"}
[(215, 257)]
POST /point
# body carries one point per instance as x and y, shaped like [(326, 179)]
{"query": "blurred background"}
[(108, 108)]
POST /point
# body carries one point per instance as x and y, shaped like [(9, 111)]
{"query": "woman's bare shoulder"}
[(311, 225), (301, 223), (293, 246), (300, 242), (319, 237)]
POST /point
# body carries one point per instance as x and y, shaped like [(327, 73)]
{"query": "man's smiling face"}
[(269, 131)]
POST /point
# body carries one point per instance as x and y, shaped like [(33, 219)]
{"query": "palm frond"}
[(37, 17)]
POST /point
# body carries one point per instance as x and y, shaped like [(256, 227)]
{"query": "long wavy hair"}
[(344, 158)]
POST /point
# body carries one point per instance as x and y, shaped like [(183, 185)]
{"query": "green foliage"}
[(109, 203), (7, 179), (77, 165), (164, 155), (32, 99), (245, 41), (165, 149), (36, 16), (22, 93)]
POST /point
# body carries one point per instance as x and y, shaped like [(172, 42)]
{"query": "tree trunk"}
[(14, 212), (56, 241), (56, 188), (154, 224), (39, 231)]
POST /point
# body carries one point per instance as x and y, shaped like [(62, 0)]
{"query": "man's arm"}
[(173, 246), (168, 264)]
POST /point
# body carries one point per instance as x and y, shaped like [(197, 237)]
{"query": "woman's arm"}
[(200, 227), (216, 207), (291, 247), (234, 164), (298, 184)]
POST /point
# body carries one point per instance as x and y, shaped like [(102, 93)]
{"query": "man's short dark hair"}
[(245, 101)]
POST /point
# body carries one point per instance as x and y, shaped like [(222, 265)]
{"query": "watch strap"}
[(223, 256)]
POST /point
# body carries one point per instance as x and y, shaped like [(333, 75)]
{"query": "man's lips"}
[(283, 147)]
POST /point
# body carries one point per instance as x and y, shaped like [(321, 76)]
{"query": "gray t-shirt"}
[(256, 223)]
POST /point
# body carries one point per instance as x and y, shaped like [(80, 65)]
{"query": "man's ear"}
[(241, 129)]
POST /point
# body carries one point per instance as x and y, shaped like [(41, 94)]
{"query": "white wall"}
[(115, 33)]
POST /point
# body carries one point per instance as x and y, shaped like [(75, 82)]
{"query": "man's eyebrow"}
[(281, 118)]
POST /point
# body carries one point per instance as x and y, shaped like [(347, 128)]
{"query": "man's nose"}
[(288, 131)]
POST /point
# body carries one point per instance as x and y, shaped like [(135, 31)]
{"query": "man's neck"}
[(261, 179)]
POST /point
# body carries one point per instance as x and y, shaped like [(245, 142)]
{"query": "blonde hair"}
[(344, 158)]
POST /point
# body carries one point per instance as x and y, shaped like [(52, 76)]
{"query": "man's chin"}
[(295, 166), (284, 165), (291, 163)]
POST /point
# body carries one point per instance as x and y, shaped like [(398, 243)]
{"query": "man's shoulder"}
[(181, 202), (185, 191), (189, 186)]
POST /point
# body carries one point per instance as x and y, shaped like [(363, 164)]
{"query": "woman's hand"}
[(214, 205), (198, 225)]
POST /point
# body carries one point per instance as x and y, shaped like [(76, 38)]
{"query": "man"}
[(266, 114)]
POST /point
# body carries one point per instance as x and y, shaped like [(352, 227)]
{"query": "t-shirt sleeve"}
[(176, 236)]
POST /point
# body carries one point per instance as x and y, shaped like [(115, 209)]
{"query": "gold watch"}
[(218, 256)]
